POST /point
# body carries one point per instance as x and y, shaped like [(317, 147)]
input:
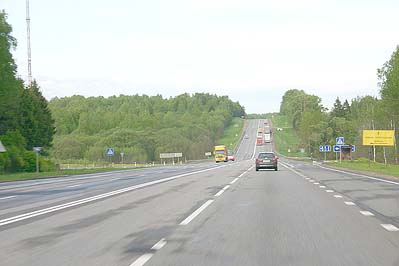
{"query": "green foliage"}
[(141, 127), (287, 138), (25, 120), (232, 134), (36, 124), (10, 86), (388, 76), (296, 102)]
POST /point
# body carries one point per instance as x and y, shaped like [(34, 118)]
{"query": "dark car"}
[(267, 160)]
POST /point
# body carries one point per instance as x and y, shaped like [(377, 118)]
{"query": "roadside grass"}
[(286, 139), (363, 165), (232, 133), (65, 172)]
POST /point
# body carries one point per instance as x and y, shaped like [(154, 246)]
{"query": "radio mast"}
[(28, 44)]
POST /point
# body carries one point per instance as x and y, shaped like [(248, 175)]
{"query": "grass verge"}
[(362, 164), (286, 141), (232, 133)]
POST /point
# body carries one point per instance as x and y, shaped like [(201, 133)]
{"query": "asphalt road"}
[(203, 214)]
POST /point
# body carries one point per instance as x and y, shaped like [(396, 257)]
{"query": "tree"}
[(337, 110), (388, 77), (36, 123), (10, 86)]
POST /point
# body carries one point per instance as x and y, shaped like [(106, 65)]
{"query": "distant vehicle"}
[(220, 152), (267, 160), (267, 138), (246, 137), (231, 158), (259, 141), (260, 131)]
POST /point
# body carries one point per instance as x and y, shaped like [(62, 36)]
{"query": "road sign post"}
[(122, 157), (37, 150)]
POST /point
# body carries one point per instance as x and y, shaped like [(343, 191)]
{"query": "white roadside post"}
[(37, 150), (2, 149), (122, 158)]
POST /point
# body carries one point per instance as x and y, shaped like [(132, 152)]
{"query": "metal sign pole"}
[(340, 155), (37, 163)]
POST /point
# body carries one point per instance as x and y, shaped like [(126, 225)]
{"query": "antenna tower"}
[(29, 49)]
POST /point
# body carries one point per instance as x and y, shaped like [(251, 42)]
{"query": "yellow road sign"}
[(378, 137)]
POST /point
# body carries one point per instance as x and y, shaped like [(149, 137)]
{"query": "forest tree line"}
[(140, 126), (316, 125)]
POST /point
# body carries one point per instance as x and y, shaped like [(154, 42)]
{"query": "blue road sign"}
[(337, 148), (340, 140), (110, 152), (324, 148), (353, 148)]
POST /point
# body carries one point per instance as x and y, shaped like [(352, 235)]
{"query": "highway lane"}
[(113, 231), (44, 193), (280, 218), (230, 215)]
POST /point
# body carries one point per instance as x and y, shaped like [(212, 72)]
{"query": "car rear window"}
[(266, 155)]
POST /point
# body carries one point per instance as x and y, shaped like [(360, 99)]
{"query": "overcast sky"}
[(250, 50)]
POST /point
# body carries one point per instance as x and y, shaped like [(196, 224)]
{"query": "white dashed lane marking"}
[(159, 245), (196, 213), (329, 191), (337, 196), (390, 227), (317, 183), (322, 186), (235, 180), (366, 213), (350, 203), (142, 259)]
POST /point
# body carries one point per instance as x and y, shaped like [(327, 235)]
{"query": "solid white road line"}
[(142, 259), (366, 213), (338, 196), (350, 203), (329, 191), (369, 177), (390, 227), (294, 171), (235, 180), (196, 213), (159, 245), (93, 198), (69, 179), (9, 197)]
